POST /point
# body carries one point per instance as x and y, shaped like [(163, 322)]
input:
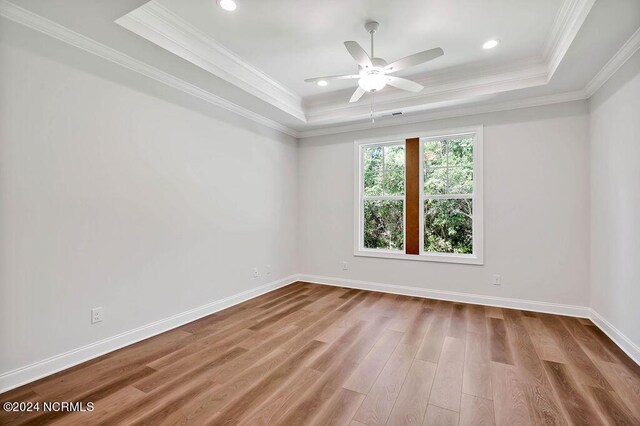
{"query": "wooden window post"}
[(412, 194)]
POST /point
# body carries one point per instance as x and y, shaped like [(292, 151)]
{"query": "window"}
[(383, 196), (420, 197)]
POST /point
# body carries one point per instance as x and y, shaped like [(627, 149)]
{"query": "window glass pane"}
[(460, 152), (435, 167), (393, 180), (448, 226), (384, 224), (435, 153), (373, 170), (435, 180), (448, 166), (460, 180)]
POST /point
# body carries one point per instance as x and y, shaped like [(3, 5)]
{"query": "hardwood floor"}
[(312, 354)]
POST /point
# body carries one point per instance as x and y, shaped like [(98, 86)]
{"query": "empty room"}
[(297, 212)]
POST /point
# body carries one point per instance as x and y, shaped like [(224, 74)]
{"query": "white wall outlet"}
[(97, 315), (268, 269), (255, 273), (345, 266), (496, 279)]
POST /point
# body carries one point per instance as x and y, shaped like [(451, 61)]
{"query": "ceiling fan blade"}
[(357, 95), (415, 59), (404, 84), (358, 53), (330, 77)]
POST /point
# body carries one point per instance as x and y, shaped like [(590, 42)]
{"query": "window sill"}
[(464, 259)]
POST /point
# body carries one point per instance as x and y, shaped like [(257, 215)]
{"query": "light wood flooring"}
[(312, 354)]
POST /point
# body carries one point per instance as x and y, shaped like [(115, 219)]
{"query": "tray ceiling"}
[(269, 47), (291, 40)]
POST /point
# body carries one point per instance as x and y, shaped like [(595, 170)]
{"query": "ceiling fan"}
[(374, 73)]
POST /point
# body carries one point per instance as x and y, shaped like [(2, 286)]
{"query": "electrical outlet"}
[(496, 279), (97, 315), (255, 273), (345, 266), (268, 268)]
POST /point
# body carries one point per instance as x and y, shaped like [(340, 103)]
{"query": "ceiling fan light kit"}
[(374, 73), (372, 82)]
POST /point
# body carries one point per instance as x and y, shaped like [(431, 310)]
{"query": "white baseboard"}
[(18, 377), (616, 335), (29, 373), (452, 296)]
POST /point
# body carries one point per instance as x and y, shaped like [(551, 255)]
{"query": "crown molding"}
[(389, 121), (41, 24), (568, 22), (164, 28), (628, 49)]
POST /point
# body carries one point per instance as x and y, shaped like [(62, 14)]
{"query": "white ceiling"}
[(291, 40), (254, 61)]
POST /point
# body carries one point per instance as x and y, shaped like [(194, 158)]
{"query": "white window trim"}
[(477, 258)]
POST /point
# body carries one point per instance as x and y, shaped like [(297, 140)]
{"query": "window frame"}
[(477, 257)]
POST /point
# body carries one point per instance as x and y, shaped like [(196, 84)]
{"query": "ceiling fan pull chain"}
[(373, 97)]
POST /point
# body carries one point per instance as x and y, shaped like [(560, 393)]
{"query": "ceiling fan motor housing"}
[(378, 63)]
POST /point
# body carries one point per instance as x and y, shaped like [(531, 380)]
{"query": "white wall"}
[(615, 200), (536, 204), (149, 203), (145, 202)]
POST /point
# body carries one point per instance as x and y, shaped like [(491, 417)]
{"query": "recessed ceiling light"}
[(228, 5), (490, 44), (322, 83)]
